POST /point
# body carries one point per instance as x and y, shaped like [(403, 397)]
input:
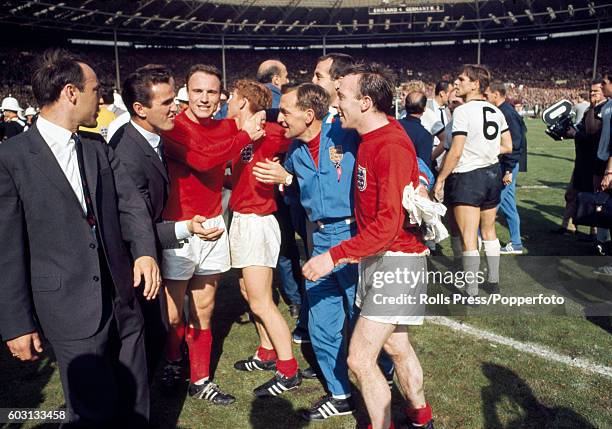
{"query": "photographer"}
[(588, 168)]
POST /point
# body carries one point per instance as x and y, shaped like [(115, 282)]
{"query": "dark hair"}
[(203, 68), (498, 86), (376, 82), (443, 85), (309, 96), (340, 64), (606, 74), (225, 92), (265, 75), (137, 86), (478, 73), (107, 95), (416, 101), (56, 69)]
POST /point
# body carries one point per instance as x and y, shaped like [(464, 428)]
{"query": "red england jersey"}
[(196, 154), (248, 194), (386, 163)]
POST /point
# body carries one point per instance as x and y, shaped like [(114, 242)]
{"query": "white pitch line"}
[(531, 348)]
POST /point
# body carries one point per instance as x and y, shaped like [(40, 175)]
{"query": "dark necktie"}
[(160, 153), (442, 115), (91, 218)]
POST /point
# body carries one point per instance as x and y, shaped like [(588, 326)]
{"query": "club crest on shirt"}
[(362, 182), (336, 154), (246, 155)]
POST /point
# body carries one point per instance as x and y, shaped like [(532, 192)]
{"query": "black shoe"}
[(490, 288), (172, 375), (327, 407), (209, 391), (300, 336), (278, 385), (389, 378), (309, 373), (294, 310), (255, 364), (429, 425)]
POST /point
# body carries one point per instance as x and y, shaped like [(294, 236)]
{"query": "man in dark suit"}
[(421, 138), (148, 94), (71, 219)]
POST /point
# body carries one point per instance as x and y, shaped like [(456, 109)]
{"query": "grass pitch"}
[(471, 383)]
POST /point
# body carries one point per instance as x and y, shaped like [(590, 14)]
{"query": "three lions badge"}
[(246, 155), (362, 181), (335, 156)]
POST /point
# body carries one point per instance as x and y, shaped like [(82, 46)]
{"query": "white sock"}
[(491, 249), (201, 381), (348, 395), (471, 264)]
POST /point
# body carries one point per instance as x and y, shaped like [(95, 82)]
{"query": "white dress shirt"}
[(180, 228), (151, 138), (62, 145)]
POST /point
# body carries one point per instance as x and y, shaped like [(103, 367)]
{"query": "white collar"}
[(152, 138), (52, 133)]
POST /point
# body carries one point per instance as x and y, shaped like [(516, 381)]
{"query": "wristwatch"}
[(289, 180)]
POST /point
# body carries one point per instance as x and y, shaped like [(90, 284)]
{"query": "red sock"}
[(419, 416), (288, 368), (391, 426), (199, 342), (174, 340), (266, 354)]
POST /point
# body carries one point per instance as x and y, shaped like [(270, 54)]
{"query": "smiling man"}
[(197, 150), (386, 163), (149, 97)]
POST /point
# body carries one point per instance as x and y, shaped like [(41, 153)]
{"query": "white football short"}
[(198, 257), (254, 240)]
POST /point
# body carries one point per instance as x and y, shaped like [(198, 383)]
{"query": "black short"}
[(479, 188)]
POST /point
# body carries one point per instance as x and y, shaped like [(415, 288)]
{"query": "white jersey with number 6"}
[(482, 123)]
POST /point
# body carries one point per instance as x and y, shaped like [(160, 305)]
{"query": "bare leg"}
[(202, 291), (258, 285), (407, 366), (264, 339), (366, 343)]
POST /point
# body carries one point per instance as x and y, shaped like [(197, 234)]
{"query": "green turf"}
[(470, 383)]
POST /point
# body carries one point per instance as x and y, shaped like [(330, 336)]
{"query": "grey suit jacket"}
[(150, 177), (49, 261)]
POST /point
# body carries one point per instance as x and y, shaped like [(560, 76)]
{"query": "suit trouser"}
[(104, 377)]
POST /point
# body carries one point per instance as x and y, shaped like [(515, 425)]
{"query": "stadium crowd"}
[(325, 159), (539, 73)]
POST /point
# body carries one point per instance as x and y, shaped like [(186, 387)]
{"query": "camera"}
[(558, 119)]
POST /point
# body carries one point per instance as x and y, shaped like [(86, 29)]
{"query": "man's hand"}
[(254, 126), (570, 133), (146, 267), (438, 190), (196, 227), (270, 172), (26, 347), (507, 178), (606, 181), (318, 266)]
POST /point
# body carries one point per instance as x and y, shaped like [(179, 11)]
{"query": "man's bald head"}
[(416, 101), (272, 71)]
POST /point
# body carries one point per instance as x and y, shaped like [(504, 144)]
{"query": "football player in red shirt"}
[(386, 163), (255, 241), (197, 149)]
